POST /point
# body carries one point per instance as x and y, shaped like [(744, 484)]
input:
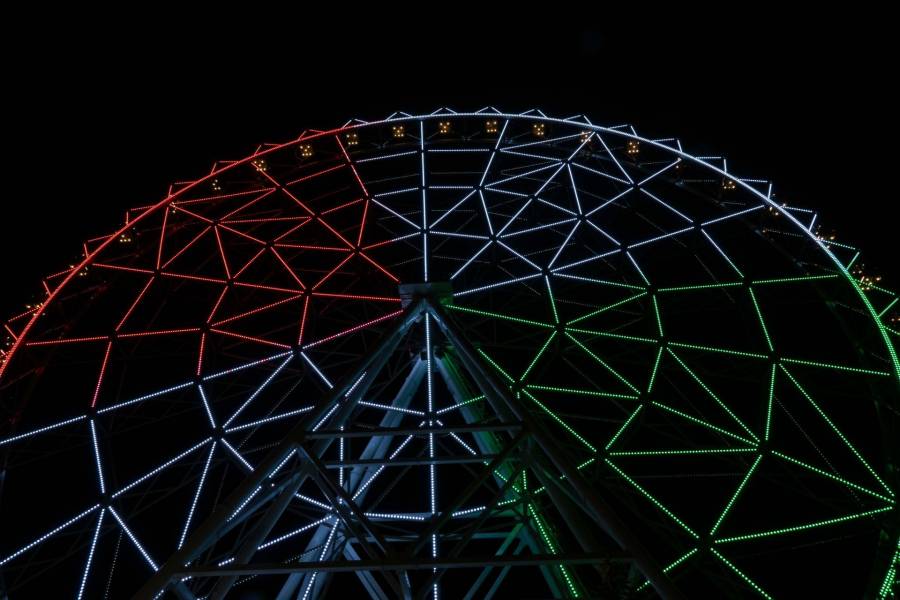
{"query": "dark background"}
[(101, 118)]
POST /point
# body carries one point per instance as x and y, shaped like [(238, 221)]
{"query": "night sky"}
[(102, 119)]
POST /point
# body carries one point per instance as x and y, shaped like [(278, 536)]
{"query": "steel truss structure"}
[(464, 355)]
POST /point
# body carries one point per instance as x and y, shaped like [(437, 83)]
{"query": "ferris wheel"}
[(456, 355)]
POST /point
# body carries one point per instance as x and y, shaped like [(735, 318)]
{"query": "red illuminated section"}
[(298, 292)]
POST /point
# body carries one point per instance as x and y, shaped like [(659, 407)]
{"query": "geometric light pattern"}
[(456, 355)]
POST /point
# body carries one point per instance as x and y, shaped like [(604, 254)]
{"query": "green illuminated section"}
[(762, 322), (785, 530), (617, 336), (837, 431), (892, 575), (565, 390), (495, 365), (655, 369), (502, 317), (538, 355), (606, 308), (697, 421), (562, 423), (831, 476), (651, 498), (671, 566), (602, 362), (811, 363), (624, 426), (683, 452), (712, 395), (719, 350), (796, 279), (771, 401), (543, 530), (703, 286), (656, 313), (736, 494), (741, 574)]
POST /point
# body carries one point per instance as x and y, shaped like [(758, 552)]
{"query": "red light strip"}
[(270, 288), (135, 303), (254, 311), (289, 194), (313, 175), (292, 229), (264, 220), (93, 338), (200, 353), (102, 373), (191, 213), (303, 320), (354, 328), (380, 268), (242, 234), (249, 262), (184, 249), (288, 267), (358, 297), (222, 252), (138, 334), (332, 272), (342, 206), (223, 196), (215, 307), (248, 338), (312, 247), (162, 237), (247, 205)]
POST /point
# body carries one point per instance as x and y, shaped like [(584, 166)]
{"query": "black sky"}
[(101, 118)]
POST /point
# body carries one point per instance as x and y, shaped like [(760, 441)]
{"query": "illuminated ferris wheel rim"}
[(179, 190), (581, 121)]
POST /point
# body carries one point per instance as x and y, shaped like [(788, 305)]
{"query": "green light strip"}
[(837, 431), (795, 279), (606, 308), (702, 422), (889, 306), (671, 566), (650, 497), (785, 530), (712, 395), (655, 369), (741, 574), (494, 315), (762, 321), (538, 355), (811, 363), (556, 418), (702, 286), (890, 578), (656, 312), (630, 286), (719, 350), (683, 452), (831, 476), (496, 366), (563, 390), (734, 496), (623, 427), (602, 362), (618, 336), (770, 402)]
